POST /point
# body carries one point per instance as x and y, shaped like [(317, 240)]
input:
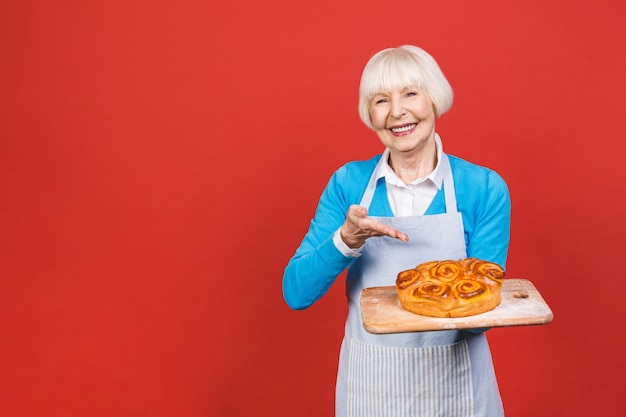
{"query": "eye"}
[(411, 93), (380, 100)]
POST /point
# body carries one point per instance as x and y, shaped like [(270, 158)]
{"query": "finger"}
[(380, 229), (357, 213), (402, 236)]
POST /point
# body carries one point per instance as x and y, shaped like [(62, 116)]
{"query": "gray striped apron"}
[(445, 373)]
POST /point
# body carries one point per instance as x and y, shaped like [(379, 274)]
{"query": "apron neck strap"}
[(371, 187), (448, 185)]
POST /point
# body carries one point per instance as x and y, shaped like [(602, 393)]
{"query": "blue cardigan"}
[(482, 198)]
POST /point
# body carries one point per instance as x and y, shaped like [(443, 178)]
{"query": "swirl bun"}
[(451, 288)]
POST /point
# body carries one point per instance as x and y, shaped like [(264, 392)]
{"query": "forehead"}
[(394, 75)]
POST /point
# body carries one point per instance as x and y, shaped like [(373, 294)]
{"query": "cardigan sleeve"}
[(490, 234), (317, 262)]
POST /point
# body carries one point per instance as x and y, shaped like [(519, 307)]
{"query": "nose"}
[(397, 108)]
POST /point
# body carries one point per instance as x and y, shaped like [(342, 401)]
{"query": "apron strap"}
[(448, 185), (366, 200)]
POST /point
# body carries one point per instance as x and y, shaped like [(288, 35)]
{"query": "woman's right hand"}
[(358, 227)]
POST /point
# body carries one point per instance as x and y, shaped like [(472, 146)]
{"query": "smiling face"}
[(404, 120)]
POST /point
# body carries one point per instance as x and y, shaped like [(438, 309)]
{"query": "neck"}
[(409, 167)]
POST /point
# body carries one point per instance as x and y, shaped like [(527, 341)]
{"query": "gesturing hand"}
[(358, 227)]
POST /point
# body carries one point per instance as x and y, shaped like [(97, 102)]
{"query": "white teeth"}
[(402, 129)]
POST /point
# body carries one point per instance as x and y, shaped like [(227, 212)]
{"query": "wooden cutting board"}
[(521, 305)]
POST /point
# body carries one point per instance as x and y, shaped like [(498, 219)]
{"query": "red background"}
[(160, 161)]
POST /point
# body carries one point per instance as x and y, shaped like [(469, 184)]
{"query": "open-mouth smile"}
[(403, 129)]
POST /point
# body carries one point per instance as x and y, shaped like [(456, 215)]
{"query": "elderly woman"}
[(412, 204)]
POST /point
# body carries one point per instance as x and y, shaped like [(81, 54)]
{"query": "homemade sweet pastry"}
[(451, 288)]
